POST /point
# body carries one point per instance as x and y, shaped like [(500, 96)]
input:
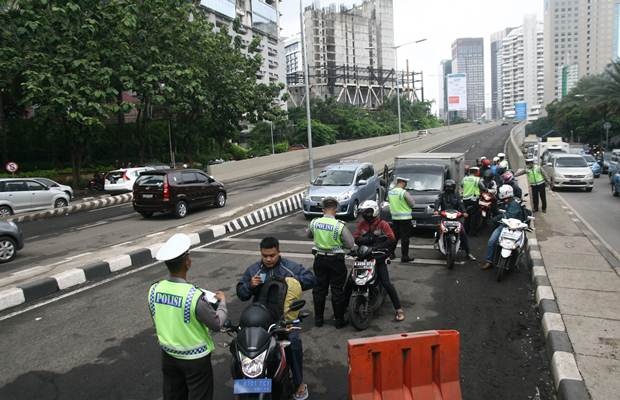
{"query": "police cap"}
[(174, 247), (401, 179)]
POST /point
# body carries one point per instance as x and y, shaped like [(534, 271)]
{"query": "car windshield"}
[(423, 182), (576, 162), (589, 159), (150, 180), (334, 177)]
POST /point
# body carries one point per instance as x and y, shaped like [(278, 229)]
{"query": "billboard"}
[(520, 110), (457, 92)]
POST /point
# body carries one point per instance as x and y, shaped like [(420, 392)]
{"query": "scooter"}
[(450, 235), (367, 293), (260, 369), (486, 203), (512, 245)]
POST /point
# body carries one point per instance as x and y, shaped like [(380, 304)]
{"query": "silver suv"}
[(349, 182), (569, 171), (24, 195)]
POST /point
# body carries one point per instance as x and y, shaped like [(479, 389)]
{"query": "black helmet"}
[(449, 186), (488, 175)]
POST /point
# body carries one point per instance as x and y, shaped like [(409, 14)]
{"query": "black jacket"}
[(449, 201)]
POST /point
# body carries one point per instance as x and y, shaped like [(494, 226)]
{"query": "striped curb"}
[(72, 278), (70, 209)]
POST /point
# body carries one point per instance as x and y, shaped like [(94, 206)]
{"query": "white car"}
[(26, 194), (122, 180), (569, 171), (56, 186)]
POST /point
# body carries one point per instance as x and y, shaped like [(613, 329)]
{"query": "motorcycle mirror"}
[(297, 305)]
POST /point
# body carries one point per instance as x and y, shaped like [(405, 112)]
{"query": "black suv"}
[(176, 191)]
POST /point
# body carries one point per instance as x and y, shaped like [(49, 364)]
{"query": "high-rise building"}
[(496, 72), (351, 53), (468, 58), (522, 67), (292, 53), (259, 18), (581, 35), (445, 68)]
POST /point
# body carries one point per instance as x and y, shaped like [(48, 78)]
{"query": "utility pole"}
[(304, 57), (607, 127)]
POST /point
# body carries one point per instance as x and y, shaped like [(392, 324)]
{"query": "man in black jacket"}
[(450, 200)]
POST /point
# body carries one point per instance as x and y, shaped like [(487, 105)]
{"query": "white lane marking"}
[(155, 234), (122, 244), (79, 228), (112, 206), (34, 237), (182, 226), (310, 242), (78, 256)]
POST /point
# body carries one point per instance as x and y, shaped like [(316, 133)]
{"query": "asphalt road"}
[(598, 208), (78, 236), (99, 343)]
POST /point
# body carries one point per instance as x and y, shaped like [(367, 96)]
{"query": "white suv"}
[(122, 180), (24, 195)]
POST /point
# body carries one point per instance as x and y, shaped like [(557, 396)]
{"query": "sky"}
[(440, 22)]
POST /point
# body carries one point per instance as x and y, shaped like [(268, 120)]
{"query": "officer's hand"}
[(465, 215), (220, 295), (256, 280)]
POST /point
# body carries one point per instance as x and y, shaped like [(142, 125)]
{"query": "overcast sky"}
[(439, 21)]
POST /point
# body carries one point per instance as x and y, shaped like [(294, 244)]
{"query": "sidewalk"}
[(586, 289)]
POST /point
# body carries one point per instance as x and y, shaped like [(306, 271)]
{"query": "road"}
[(99, 343), (599, 209), (58, 243)]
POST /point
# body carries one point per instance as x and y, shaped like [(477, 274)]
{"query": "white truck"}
[(551, 146), (427, 173)]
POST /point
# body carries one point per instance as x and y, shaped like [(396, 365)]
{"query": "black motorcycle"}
[(450, 235), (97, 182), (367, 293), (259, 365)]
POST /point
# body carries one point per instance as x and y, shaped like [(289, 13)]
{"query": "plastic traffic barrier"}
[(408, 366)]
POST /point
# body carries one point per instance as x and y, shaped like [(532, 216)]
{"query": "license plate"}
[(147, 196), (363, 264), (248, 386)]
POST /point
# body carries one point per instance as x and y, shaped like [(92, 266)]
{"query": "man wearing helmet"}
[(508, 178), (502, 161), (374, 232), (449, 199), (513, 210)]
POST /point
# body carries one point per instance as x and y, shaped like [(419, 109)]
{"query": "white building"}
[(258, 18), (581, 34), (522, 67), (292, 53), (496, 72)]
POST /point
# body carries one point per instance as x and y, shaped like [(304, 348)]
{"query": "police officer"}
[(401, 206), (472, 186), (536, 179), (331, 237), (183, 321)]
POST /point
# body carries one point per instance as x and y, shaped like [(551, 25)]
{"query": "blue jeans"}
[(492, 243), (295, 356)]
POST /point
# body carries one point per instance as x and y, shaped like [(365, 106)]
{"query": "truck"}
[(427, 173), (552, 145)]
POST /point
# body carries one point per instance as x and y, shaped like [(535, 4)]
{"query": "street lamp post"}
[(607, 127), (307, 88)]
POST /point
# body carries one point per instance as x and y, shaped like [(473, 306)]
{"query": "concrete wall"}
[(236, 170), (512, 148)]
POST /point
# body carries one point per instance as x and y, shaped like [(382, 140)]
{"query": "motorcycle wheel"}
[(502, 265), (359, 312), (450, 255)]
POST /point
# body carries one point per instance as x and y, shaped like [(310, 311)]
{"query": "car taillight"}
[(166, 189), (125, 177)]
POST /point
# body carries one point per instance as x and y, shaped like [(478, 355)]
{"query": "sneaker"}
[(471, 257), (487, 265), (303, 395)]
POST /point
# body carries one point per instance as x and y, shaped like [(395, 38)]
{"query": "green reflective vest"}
[(471, 187), (327, 233), (535, 176), (173, 309), (399, 208)]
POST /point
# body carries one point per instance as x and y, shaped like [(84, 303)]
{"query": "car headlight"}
[(13, 224), (306, 195), (558, 176), (252, 367), (589, 175), (345, 196)]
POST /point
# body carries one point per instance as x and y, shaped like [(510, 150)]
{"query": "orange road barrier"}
[(408, 366)]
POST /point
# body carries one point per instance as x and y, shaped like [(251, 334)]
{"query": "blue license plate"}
[(247, 386)]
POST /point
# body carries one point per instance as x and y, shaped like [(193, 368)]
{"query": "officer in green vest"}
[(184, 317), (472, 185), (401, 207), (536, 180), (331, 237)]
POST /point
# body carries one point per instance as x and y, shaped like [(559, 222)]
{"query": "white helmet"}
[(369, 204), (483, 158), (505, 192), (496, 159), (501, 155)]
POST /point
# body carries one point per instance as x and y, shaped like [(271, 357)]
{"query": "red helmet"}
[(486, 163)]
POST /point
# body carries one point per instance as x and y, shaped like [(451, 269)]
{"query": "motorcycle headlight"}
[(252, 367), (508, 244), (345, 196)]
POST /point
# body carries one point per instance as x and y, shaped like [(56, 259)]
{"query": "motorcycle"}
[(450, 235), (260, 368), (486, 201), (512, 245), (96, 183), (367, 293)]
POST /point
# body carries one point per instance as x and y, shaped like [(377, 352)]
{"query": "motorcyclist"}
[(374, 232), (508, 178), (502, 161), (449, 199), (486, 166), (495, 165), (512, 210), (491, 186)]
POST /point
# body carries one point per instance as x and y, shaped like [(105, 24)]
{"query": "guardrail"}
[(512, 147)]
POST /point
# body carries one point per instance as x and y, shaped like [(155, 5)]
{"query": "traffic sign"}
[(607, 125), (11, 167)]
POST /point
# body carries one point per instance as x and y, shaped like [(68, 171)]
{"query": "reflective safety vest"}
[(327, 233), (399, 208), (535, 176), (471, 187), (173, 309)]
